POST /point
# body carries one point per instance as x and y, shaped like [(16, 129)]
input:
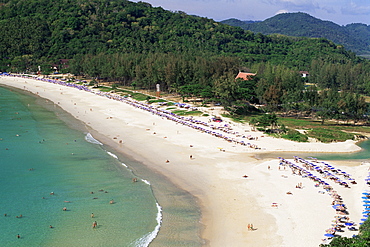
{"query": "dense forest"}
[(355, 36), (134, 44)]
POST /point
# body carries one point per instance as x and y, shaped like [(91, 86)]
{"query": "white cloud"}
[(295, 5), (329, 9), (282, 11), (353, 8)]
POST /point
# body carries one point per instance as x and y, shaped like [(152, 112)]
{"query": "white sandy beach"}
[(229, 202)]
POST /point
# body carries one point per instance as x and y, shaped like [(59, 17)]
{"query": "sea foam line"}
[(146, 181), (91, 139), (112, 154), (145, 240)]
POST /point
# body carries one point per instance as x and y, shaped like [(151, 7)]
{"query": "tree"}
[(361, 240), (328, 105), (226, 89), (266, 120)]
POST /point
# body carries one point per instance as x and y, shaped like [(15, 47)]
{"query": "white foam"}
[(145, 181), (145, 240), (91, 139), (112, 154), (124, 165)]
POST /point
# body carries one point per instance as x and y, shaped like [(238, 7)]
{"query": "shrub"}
[(330, 135), (295, 135)]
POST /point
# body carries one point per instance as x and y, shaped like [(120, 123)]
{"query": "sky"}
[(341, 12)]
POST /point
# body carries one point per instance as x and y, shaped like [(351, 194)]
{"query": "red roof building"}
[(304, 73), (245, 76)]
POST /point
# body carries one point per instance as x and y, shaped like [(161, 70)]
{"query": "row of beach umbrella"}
[(223, 132), (340, 206), (366, 202)]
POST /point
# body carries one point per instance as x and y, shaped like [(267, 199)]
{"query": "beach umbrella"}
[(365, 215), (366, 193), (365, 197), (348, 224), (329, 235), (366, 201), (363, 219)]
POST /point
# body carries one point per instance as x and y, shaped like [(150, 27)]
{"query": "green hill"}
[(137, 45), (61, 29), (354, 37)]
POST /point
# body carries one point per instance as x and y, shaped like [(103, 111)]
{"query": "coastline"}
[(228, 201)]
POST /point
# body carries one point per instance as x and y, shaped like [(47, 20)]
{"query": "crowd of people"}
[(223, 131), (306, 169)]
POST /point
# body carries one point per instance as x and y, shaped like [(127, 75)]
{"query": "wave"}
[(145, 181), (91, 139), (112, 154), (145, 240)]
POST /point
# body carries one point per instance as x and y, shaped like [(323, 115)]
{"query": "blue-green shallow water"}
[(63, 162), (361, 155)]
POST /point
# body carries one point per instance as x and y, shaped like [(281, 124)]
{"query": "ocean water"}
[(363, 155), (45, 166)]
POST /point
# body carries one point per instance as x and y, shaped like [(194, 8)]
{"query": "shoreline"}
[(150, 139), (190, 232)]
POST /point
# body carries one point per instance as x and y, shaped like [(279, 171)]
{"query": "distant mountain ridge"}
[(355, 37)]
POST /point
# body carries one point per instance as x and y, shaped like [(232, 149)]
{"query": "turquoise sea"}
[(361, 156), (49, 162)]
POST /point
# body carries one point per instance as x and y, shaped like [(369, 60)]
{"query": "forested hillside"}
[(134, 44), (355, 37), (62, 29)]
